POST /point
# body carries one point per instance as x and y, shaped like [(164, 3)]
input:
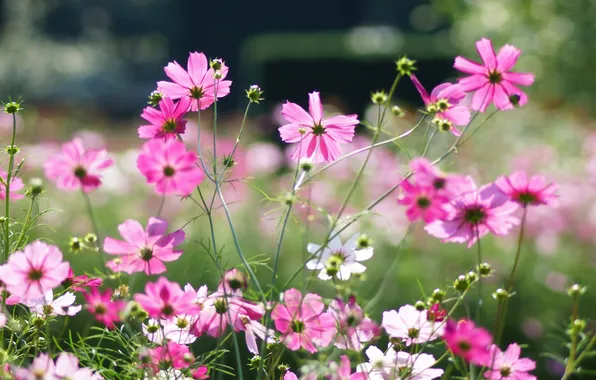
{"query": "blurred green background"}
[(85, 68)]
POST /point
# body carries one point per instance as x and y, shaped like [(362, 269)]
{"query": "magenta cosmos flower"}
[(494, 82), (77, 167), (172, 355), (423, 202), (168, 165), (166, 121), (444, 102), (143, 249), (508, 365), (198, 83), (318, 139), (16, 185), (353, 327), (528, 191), (165, 299), (303, 322), (464, 339), (34, 271), (475, 213), (103, 307)]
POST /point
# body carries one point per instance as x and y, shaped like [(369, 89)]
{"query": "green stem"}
[(199, 149), (27, 220), (430, 139), (7, 200), (480, 282)]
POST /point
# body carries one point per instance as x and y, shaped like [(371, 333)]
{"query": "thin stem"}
[(27, 219), (7, 200), (215, 131), (518, 252), (480, 282), (430, 139), (89, 208), (161, 204), (199, 149)]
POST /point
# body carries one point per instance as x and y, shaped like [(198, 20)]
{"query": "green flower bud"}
[(484, 269), (420, 306), (438, 295), (254, 94), (501, 294), (405, 66), (576, 290), (379, 97), (397, 111), (12, 107), (461, 284), (154, 98)]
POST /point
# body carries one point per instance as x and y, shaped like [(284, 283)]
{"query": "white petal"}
[(357, 268), (352, 243), (323, 275), (344, 273), (364, 254), (313, 248)]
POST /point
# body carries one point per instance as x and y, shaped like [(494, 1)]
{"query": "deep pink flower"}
[(494, 82), (80, 283), (427, 175), (444, 102), (303, 322), (77, 167), (16, 185), (423, 202), (201, 373), (508, 365), (143, 249), (165, 299), (528, 191), (28, 274), (103, 308), (464, 339), (317, 138), (197, 84), (168, 165), (167, 121), (353, 328), (173, 355), (474, 213), (344, 372)]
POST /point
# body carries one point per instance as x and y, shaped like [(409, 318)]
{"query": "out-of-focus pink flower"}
[(411, 325), (318, 139), (468, 341), (197, 84), (475, 213), (165, 299), (344, 372), (444, 101), (42, 367), (423, 202), (289, 375), (436, 313), (3, 320), (201, 373), (353, 328), (77, 167), (143, 249), (265, 158), (103, 308), (508, 365), (168, 165), (252, 330), (494, 81), (303, 322), (16, 185), (67, 367), (28, 274), (172, 355), (80, 283), (427, 175), (167, 121), (528, 191)]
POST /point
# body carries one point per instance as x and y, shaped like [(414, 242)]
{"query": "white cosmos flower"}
[(338, 259), (47, 305), (398, 365), (411, 325), (178, 329)]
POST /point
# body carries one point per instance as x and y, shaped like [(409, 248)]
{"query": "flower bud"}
[(12, 150), (576, 290), (121, 292), (90, 238), (306, 165), (405, 66), (438, 295), (255, 362), (501, 294), (461, 283), (254, 94), (484, 269), (283, 368), (379, 97), (228, 161), (216, 64), (420, 306), (397, 343), (75, 244), (364, 241), (472, 276), (397, 111), (12, 107), (217, 75), (578, 326), (154, 98), (514, 99), (35, 187)]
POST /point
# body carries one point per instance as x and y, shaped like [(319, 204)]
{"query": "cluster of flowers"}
[(452, 207)]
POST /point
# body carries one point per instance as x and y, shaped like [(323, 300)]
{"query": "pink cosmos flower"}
[(42, 367), (464, 339), (289, 375), (508, 365), (165, 299), (528, 191), (494, 82), (344, 372), (197, 84), (423, 202), (103, 308), (444, 102), (410, 325), (34, 271), (16, 185), (168, 165), (67, 367), (474, 213), (165, 122), (76, 167), (353, 328), (172, 355), (80, 283), (252, 330), (143, 249), (201, 373), (426, 175), (303, 322), (318, 138)]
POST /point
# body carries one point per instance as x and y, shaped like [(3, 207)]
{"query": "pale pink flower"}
[(197, 84), (16, 185), (165, 299), (143, 249), (77, 167), (303, 322), (168, 165), (528, 191), (3, 320), (167, 121), (464, 339), (253, 329), (444, 102), (494, 81), (289, 375), (317, 138), (30, 273), (47, 305), (411, 325), (475, 213), (392, 365), (508, 365), (67, 367), (101, 305), (42, 368), (353, 327)]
